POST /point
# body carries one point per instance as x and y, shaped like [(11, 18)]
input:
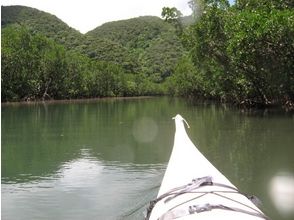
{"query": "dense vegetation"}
[(35, 67), (241, 53), (148, 45), (39, 22), (42, 58)]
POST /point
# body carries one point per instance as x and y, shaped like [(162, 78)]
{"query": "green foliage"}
[(206, 40), (43, 58), (241, 53), (35, 67), (21, 61), (132, 33), (41, 22), (261, 51), (101, 49), (245, 52), (144, 45), (170, 14), (186, 80), (266, 5), (173, 16), (120, 42), (159, 59)]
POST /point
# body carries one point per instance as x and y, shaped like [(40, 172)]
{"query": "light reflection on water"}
[(105, 159), (81, 185)]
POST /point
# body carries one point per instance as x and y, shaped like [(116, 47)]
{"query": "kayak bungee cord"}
[(208, 207), (200, 197), (194, 185)]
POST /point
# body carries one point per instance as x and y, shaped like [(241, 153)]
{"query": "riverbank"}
[(288, 106), (66, 101)]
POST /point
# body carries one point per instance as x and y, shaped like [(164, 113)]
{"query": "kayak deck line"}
[(209, 196), (190, 189)]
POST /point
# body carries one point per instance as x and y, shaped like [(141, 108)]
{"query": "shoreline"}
[(287, 107), (67, 101)]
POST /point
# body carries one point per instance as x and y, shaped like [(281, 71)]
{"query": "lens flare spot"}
[(281, 190), (145, 130)]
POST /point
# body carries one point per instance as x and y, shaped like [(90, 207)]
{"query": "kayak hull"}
[(183, 196)]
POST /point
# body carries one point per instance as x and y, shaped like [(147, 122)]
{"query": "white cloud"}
[(85, 15)]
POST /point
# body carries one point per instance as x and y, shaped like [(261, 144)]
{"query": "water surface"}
[(105, 159)]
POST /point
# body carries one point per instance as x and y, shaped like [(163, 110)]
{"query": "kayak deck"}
[(192, 188)]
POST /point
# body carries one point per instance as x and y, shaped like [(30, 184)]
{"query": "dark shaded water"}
[(105, 159)]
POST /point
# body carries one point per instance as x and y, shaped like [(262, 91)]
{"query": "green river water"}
[(104, 159)]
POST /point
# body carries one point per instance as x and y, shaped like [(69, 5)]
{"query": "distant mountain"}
[(150, 41), (41, 22), (134, 32), (145, 45)]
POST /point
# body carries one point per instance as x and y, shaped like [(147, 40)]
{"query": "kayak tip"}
[(179, 118)]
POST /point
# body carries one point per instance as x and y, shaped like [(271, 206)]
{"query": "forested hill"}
[(241, 53), (137, 56), (145, 44), (132, 33), (41, 22)]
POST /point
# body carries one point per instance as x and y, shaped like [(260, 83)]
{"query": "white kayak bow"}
[(192, 188)]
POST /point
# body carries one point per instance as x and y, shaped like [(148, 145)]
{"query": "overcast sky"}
[(85, 15)]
